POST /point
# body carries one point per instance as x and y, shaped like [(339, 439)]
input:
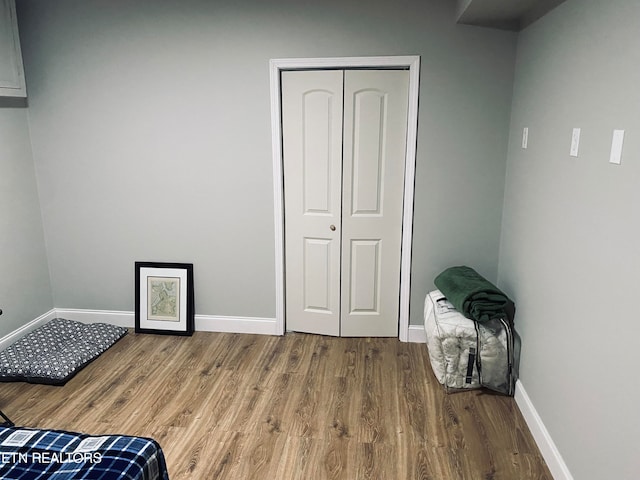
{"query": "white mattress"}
[(450, 336)]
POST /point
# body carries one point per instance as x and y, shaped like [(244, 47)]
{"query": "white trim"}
[(114, 317), (203, 323), (412, 62), (22, 331), (253, 325), (278, 191), (417, 334), (548, 449)]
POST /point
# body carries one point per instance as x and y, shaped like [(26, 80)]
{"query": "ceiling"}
[(503, 14)]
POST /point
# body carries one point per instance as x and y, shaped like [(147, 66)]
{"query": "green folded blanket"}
[(472, 295)]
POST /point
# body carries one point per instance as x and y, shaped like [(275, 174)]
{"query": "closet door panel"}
[(374, 145), (365, 276), (369, 124), (312, 155)]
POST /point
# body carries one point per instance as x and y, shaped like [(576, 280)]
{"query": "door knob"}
[(332, 227)]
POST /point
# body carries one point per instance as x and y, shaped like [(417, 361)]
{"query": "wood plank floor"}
[(234, 406)]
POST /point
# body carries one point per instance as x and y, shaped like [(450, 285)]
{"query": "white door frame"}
[(412, 62)]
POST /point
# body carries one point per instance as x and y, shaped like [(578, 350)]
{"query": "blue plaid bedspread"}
[(30, 454)]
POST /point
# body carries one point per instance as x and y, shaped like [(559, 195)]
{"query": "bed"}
[(34, 454)]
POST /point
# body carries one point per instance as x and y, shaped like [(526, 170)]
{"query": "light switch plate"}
[(575, 142), (616, 147), (525, 137)]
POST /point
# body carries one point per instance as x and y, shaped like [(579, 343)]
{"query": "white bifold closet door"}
[(344, 142)]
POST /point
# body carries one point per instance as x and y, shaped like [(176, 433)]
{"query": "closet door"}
[(375, 134), (312, 156), (343, 197)]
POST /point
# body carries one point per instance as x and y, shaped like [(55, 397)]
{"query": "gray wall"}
[(151, 136), (25, 291), (569, 254)]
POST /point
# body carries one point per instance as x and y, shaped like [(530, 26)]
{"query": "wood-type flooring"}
[(237, 407)]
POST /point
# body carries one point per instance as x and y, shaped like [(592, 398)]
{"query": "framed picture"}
[(164, 298)]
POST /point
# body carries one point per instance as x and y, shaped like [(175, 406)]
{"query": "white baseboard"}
[(22, 331), (203, 323), (417, 334), (548, 449), (114, 317), (214, 323)]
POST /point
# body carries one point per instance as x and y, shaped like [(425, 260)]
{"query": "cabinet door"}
[(12, 82)]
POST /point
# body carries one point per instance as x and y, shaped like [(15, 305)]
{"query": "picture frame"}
[(164, 298)]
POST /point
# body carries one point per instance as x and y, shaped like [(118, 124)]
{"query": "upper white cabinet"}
[(12, 82)]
